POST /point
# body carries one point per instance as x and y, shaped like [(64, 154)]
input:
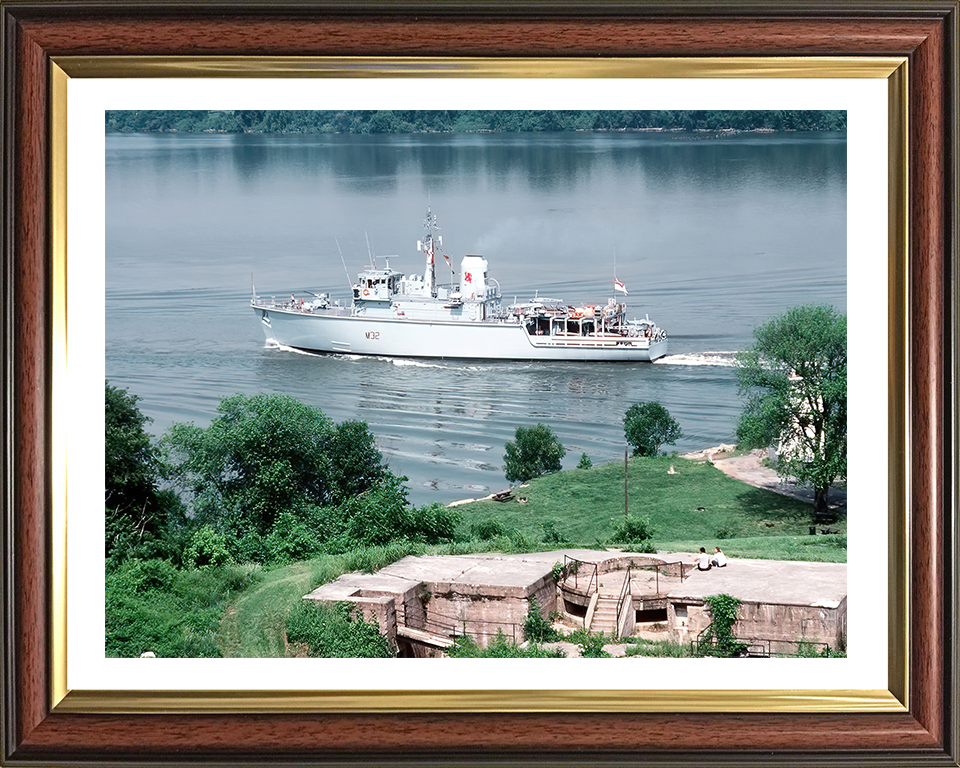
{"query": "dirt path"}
[(747, 469)]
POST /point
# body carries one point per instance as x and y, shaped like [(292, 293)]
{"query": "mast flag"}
[(618, 286)]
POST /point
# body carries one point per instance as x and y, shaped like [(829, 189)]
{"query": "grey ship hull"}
[(339, 331)]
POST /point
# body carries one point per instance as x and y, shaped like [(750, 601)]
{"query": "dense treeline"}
[(472, 121)]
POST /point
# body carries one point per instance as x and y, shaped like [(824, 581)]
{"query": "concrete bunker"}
[(422, 604)]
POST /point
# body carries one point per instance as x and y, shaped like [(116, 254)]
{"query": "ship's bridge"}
[(377, 284)]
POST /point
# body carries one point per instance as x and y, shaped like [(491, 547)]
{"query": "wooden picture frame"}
[(40, 727)]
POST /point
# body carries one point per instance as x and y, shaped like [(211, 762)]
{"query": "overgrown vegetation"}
[(332, 632), (536, 629), (151, 605), (269, 482), (634, 533), (466, 121), (139, 514), (717, 639), (500, 647)]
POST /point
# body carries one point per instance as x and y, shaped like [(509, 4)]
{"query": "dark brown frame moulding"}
[(924, 732)]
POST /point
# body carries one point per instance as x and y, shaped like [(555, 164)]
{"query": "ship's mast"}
[(427, 245)]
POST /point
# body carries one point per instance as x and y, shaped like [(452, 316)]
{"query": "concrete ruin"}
[(423, 603), (782, 603)]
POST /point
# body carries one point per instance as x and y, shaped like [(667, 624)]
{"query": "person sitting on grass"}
[(703, 561), (719, 559)]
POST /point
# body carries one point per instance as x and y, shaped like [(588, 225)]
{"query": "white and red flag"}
[(618, 286)]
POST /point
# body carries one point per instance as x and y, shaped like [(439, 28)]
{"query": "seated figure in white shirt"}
[(703, 561), (719, 559)]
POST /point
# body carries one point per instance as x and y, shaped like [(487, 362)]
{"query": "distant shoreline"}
[(692, 123)]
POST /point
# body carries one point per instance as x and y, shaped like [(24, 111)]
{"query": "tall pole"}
[(626, 517)]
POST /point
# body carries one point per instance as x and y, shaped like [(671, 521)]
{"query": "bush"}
[(585, 462), (647, 426), (537, 629), (550, 533), (331, 632), (207, 548), (290, 540), (634, 532), (717, 638), (591, 646), (535, 451)]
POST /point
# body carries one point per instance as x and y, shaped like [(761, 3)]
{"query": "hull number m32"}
[(375, 335)]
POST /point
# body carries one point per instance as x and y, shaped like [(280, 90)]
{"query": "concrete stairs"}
[(605, 616)]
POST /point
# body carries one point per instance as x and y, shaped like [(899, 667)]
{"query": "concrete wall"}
[(784, 625), (483, 611)]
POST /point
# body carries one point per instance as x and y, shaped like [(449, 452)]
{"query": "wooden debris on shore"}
[(503, 496)]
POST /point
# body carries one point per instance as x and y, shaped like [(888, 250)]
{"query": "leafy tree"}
[(795, 380), (136, 509), (647, 426), (535, 451), (268, 454), (585, 462)]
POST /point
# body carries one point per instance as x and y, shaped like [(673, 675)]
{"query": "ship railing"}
[(306, 308)]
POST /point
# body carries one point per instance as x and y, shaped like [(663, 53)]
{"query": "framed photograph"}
[(891, 70)]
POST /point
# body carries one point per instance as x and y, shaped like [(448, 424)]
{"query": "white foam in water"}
[(406, 361), (722, 359)]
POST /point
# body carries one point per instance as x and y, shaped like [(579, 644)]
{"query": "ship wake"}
[(717, 359)]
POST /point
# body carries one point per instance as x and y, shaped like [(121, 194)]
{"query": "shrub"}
[(537, 629), (585, 462), (635, 532), (591, 646), (207, 548), (535, 451), (290, 541), (550, 533)]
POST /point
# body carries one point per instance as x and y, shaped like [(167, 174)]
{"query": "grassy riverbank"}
[(696, 505)]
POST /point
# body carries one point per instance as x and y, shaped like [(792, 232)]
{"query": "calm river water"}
[(711, 236)]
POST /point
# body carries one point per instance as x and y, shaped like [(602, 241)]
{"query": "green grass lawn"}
[(698, 504)]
